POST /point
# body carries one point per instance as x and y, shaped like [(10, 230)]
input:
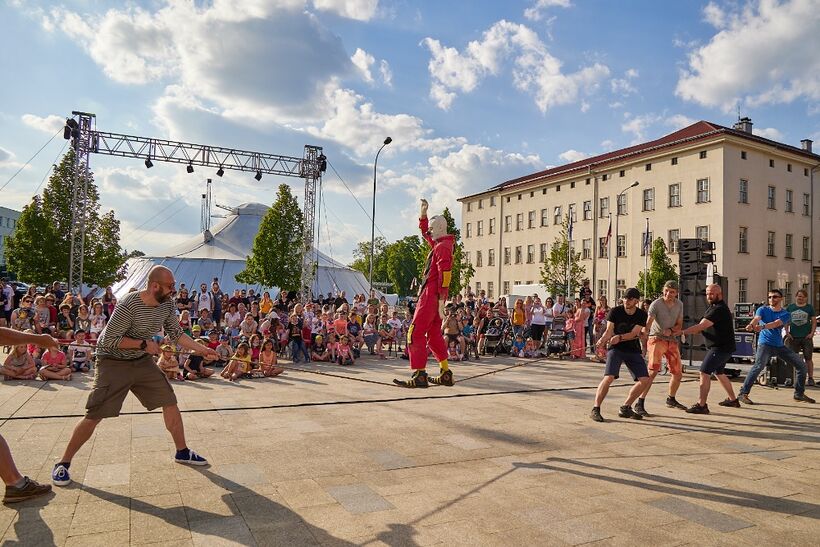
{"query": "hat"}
[(167, 347), (224, 338), (196, 327), (632, 292)]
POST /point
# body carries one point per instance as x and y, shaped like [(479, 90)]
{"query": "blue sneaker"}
[(189, 457), (60, 476)]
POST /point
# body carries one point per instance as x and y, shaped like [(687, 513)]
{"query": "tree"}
[(660, 271), (361, 259), (462, 271), (559, 262), (278, 248), (102, 256), (402, 266), (31, 247)]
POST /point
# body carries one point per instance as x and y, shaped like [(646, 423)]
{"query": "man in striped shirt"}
[(125, 363)]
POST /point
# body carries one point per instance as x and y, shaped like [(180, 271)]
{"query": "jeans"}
[(762, 356), (298, 345)]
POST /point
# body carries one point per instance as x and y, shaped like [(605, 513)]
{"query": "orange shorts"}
[(657, 348)]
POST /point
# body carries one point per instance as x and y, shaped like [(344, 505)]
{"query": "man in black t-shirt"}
[(718, 329), (623, 328)]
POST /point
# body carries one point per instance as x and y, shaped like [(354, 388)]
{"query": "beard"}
[(162, 297)]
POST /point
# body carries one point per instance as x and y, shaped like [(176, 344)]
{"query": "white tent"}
[(221, 253)]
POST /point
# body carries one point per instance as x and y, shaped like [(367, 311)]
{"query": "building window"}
[(478, 287), (646, 241), (649, 199), (508, 223), (674, 195), (492, 201), (531, 219), (469, 206), (674, 236), (789, 167), (806, 208), (508, 199), (542, 254), (491, 257), (702, 154), (743, 240), (622, 173), (469, 230), (492, 226), (532, 194), (519, 222), (805, 171), (481, 204), (519, 197), (506, 286), (602, 287), (787, 293), (620, 288), (622, 200), (557, 187), (490, 289), (479, 228), (602, 248), (518, 254), (572, 185), (545, 217), (742, 287), (703, 190), (478, 263), (702, 232), (605, 177), (506, 255), (744, 191), (770, 197), (648, 167), (789, 201), (603, 206), (806, 242), (587, 210), (770, 285), (743, 157), (789, 246), (770, 244), (621, 247), (556, 214), (586, 249), (674, 161), (771, 163), (530, 254)]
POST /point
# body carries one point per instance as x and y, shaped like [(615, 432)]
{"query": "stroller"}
[(498, 336), (557, 340)]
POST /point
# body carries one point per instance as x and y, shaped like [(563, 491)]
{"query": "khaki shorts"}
[(657, 348), (114, 378)]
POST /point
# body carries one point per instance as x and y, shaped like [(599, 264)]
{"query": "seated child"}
[(319, 350), (65, 323), (332, 345), (518, 345), (256, 347), (239, 365), (169, 363), (387, 335), (469, 338), (453, 351), (79, 353), (194, 366), (54, 366), (531, 348), (19, 365), (344, 353), (224, 350), (185, 322), (267, 361)]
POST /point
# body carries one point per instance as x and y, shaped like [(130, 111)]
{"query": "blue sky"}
[(472, 92)]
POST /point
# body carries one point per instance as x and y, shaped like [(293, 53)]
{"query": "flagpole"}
[(569, 238), (609, 264), (647, 245)]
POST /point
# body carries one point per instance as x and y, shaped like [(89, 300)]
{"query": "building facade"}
[(8, 222), (752, 196)]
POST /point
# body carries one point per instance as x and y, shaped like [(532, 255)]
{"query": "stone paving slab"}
[(506, 459)]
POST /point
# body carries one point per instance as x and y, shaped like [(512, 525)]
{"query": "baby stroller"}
[(557, 340), (496, 337)]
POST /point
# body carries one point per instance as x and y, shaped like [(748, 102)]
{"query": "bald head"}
[(714, 293), (160, 274), (161, 284)]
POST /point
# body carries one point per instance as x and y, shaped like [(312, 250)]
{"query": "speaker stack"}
[(694, 255)]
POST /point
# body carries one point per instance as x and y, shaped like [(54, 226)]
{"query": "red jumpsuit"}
[(425, 330)]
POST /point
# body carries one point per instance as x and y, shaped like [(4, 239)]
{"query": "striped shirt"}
[(132, 318)]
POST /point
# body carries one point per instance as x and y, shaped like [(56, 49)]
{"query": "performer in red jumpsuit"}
[(425, 330)]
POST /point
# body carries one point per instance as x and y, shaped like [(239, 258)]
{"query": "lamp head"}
[(388, 140)]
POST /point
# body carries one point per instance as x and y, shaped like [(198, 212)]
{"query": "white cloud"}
[(536, 11), (769, 133), (362, 60), (678, 121), (362, 10), (572, 156), (638, 126), (764, 54), (50, 124), (534, 69), (5, 156), (607, 145), (386, 72), (647, 126), (623, 86), (715, 15)]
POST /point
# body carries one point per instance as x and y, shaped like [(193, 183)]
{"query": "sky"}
[(472, 92)]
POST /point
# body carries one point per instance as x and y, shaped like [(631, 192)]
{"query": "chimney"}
[(744, 124), (806, 145)]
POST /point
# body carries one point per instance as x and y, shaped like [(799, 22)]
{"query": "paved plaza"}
[(505, 459)]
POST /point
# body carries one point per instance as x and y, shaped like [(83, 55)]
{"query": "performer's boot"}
[(445, 377), (419, 379)]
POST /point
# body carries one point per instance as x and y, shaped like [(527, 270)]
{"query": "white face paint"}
[(437, 226)]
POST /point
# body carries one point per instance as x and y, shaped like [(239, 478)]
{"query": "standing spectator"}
[(109, 301), (599, 326), (549, 314), (559, 309), (98, 321), (340, 300), (519, 318), (538, 321), (266, 304), (800, 330), (769, 322), (57, 290), (579, 344), (216, 302), (232, 320), (6, 301), (297, 344), (183, 302)]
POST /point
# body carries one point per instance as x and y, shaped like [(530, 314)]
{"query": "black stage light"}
[(258, 175), (190, 168), (220, 172), (148, 163)]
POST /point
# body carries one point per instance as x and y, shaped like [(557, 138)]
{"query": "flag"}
[(569, 232), (647, 237), (608, 233)]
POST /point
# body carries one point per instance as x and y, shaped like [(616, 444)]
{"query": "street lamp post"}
[(617, 217), (387, 141)]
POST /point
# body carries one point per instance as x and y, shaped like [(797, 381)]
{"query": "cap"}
[(196, 327), (167, 347), (632, 292), (224, 338)]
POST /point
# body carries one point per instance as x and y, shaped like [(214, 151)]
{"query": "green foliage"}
[(361, 259), (402, 266), (278, 248), (48, 223), (661, 270), (559, 262)]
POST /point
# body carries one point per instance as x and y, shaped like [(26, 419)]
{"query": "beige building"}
[(8, 221), (752, 196)]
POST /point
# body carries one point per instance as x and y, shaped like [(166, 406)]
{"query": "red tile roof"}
[(696, 131)]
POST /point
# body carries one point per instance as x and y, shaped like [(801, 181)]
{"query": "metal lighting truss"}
[(86, 140)]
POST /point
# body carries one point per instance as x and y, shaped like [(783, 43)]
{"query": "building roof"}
[(697, 131)]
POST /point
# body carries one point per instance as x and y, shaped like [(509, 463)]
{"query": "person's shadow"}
[(251, 506)]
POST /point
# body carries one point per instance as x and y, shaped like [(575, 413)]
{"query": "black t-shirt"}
[(353, 328), (721, 335), (339, 301), (195, 363), (294, 332), (624, 323)]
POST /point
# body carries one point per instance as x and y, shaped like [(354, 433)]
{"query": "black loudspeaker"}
[(692, 269)]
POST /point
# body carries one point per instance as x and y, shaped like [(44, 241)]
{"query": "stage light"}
[(258, 175), (148, 163), (322, 163), (220, 172), (190, 168)]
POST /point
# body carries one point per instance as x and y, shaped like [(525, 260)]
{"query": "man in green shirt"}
[(800, 330)]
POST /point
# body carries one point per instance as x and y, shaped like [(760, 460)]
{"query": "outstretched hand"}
[(423, 210)]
